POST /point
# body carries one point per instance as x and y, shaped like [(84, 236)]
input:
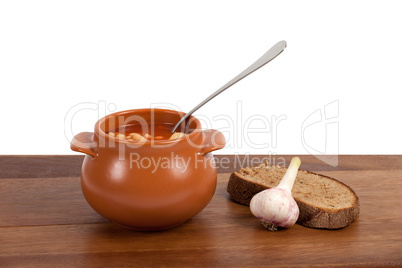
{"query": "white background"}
[(59, 57)]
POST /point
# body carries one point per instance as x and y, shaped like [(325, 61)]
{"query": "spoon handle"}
[(267, 57)]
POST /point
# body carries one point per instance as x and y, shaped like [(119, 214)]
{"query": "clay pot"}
[(153, 185)]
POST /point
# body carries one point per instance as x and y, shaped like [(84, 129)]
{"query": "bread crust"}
[(241, 190)]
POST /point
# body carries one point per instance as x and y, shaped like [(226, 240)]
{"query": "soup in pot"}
[(137, 133)]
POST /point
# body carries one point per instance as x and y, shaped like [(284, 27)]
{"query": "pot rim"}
[(99, 132)]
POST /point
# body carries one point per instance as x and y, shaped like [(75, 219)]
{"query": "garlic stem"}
[(290, 175)]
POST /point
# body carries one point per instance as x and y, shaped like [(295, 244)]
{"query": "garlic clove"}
[(276, 207)]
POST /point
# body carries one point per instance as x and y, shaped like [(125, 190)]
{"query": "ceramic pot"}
[(152, 185)]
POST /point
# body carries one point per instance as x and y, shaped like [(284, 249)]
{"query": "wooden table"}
[(46, 222)]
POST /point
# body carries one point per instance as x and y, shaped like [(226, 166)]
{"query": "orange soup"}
[(137, 132)]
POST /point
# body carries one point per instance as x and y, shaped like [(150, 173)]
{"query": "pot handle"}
[(84, 143), (213, 140)]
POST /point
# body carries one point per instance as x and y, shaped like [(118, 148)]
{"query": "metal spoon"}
[(267, 57)]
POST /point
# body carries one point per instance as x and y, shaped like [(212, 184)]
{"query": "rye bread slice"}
[(323, 202)]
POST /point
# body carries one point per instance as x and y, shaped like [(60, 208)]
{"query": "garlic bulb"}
[(276, 207)]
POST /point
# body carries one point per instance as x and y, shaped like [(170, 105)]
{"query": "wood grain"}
[(51, 166), (45, 222)]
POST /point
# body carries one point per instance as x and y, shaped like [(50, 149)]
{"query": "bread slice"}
[(323, 201)]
